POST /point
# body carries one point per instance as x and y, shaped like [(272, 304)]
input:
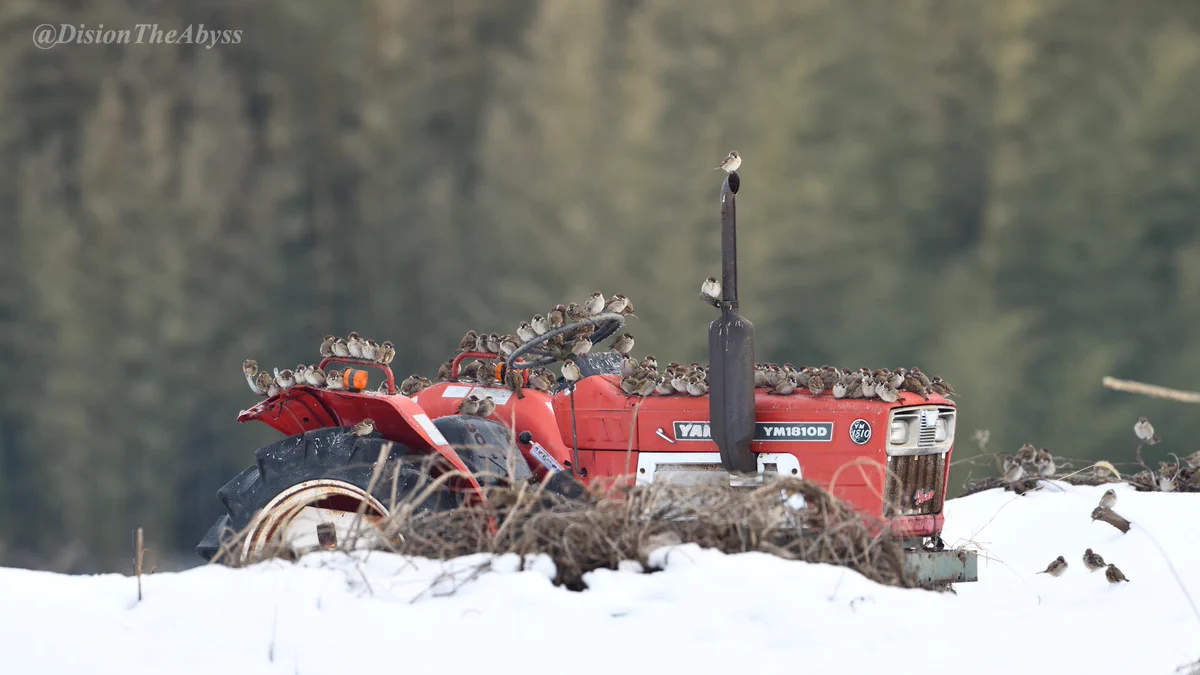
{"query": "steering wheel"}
[(606, 324)]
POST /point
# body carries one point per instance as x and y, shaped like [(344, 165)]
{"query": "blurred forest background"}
[(1003, 192)]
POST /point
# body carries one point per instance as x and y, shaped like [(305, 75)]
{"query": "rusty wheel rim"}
[(311, 514)]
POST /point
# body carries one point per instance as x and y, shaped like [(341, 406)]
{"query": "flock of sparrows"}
[(643, 379), (881, 383), (352, 346), (1091, 560), (1029, 461)]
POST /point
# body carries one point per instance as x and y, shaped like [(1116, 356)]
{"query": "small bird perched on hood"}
[(594, 304), (363, 428), (469, 405), (487, 406), (710, 291), (250, 370), (663, 387), (886, 392), (1114, 575), (731, 162), (786, 386), (327, 346), (1109, 498), (942, 388), (1145, 431), (695, 386), (1056, 567), (1092, 560), (623, 344), (570, 371), (340, 348), (815, 384)]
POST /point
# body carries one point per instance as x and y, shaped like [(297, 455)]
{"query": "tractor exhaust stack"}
[(731, 353)]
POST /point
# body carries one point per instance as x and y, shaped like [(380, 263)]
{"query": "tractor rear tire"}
[(330, 454), (486, 447)]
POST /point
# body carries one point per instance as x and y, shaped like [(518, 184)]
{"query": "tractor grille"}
[(927, 427), (914, 485)]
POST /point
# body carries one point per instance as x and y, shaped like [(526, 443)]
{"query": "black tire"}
[(322, 453), (484, 446)]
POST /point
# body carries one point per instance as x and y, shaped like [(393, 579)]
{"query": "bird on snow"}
[(1092, 560), (1114, 575), (1056, 567)]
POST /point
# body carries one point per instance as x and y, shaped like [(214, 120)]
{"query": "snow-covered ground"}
[(705, 613)]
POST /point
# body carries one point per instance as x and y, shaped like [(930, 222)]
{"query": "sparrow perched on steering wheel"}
[(539, 325), (616, 304), (525, 332), (594, 304), (557, 317)]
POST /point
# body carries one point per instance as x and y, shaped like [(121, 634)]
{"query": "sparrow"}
[(263, 383), (486, 373), (649, 363), (815, 384), (616, 304), (341, 348), (628, 363), (786, 386), (525, 332), (1114, 575), (1193, 460), (623, 344), (333, 380), (840, 389), (1111, 517), (469, 405), (731, 162), (925, 381), (514, 380), (1045, 463), (570, 371), (710, 291), (250, 370), (627, 310), (869, 389), (1108, 499), (363, 428), (314, 376), (1167, 473), (1145, 431), (942, 388), (663, 386), (541, 380), (695, 387), (444, 371), (370, 349), (539, 324), (886, 392), (896, 379), (284, 379), (679, 383), (913, 384), (1092, 560), (273, 387), (594, 304), (355, 345), (557, 317), (1056, 567), (486, 407), (1013, 471), (411, 385), (469, 342), (493, 343), (327, 346), (1027, 453), (647, 386), (581, 346), (508, 345), (387, 352), (760, 376), (630, 385), (469, 371)]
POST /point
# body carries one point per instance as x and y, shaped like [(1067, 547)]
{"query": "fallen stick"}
[(1151, 390), (1111, 517)]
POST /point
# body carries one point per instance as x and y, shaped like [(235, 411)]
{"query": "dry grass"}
[(627, 523)]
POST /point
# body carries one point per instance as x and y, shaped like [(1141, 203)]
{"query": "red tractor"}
[(885, 459)]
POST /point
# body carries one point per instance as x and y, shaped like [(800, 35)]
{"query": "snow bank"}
[(705, 613)]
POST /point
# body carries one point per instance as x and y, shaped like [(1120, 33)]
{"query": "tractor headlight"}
[(899, 433), (940, 430)]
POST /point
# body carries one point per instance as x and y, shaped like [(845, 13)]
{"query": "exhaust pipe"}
[(731, 353)]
